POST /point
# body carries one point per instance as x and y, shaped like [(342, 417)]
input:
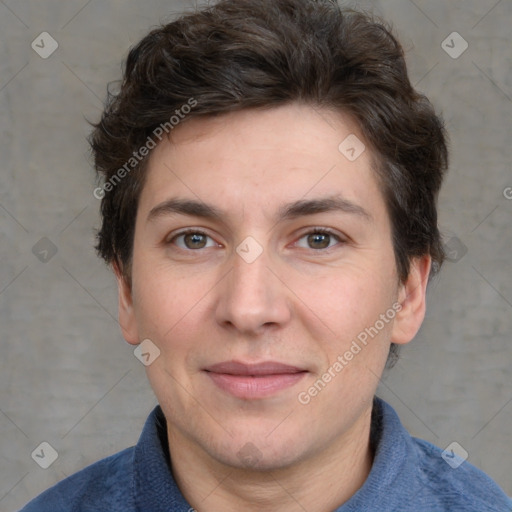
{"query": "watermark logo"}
[(44, 455), (454, 455), (249, 454), (143, 151), (44, 250), (249, 249), (351, 147), (454, 249), (44, 45), (146, 352), (304, 397), (454, 45)]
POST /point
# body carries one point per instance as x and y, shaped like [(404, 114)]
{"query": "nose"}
[(252, 298)]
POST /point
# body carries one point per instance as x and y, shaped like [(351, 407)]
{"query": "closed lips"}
[(253, 370)]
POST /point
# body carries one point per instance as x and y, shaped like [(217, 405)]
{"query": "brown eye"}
[(193, 240), (318, 239)]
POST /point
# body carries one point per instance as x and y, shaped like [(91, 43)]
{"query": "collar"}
[(394, 458), (155, 489)]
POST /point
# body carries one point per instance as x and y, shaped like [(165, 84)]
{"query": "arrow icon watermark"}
[(454, 455), (454, 45), (44, 250), (249, 249), (44, 45), (146, 352), (45, 455), (352, 147)]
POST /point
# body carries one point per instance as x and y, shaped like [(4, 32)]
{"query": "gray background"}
[(66, 375)]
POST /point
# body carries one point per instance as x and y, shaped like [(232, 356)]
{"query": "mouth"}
[(253, 381)]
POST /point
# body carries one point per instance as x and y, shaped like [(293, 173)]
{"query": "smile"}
[(254, 381)]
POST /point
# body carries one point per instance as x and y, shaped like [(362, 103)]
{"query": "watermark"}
[(146, 352), (304, 397), (249, 455), (507, 192), (454, 455), (352, 147), (454, 45), (44, 455), (454, 249), (44, 250), (44, 45), (249, 249), (143, 151)]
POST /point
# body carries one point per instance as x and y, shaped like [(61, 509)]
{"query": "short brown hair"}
[(242, 54)]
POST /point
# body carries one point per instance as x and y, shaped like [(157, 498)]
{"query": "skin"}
[(300, 302)]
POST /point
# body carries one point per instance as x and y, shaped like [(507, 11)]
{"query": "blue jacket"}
[(408, 475)]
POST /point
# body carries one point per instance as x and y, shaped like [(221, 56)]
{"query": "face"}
[(262, 256)]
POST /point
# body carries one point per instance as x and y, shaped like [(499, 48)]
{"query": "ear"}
[(412, 298), (126, 313)]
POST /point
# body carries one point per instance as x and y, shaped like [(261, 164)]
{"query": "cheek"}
[(336, 303), (173, 310), (348, 296), (343, 315), (161, 301)]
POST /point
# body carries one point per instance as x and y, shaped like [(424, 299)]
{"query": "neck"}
[(319, 483)]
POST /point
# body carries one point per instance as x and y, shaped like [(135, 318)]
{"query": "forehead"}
[(256, 160)]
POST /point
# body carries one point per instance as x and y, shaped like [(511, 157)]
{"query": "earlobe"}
[(412, 298), (126, 313)]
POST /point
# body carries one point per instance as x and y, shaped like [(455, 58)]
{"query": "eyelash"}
[(319, 230)]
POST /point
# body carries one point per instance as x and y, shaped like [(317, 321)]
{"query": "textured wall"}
[(66, 375)]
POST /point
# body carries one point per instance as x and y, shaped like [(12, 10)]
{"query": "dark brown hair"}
[(241, 54)]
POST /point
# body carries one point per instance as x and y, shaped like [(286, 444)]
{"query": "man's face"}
[(295, 263)]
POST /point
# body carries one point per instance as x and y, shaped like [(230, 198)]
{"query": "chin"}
[(259, 453)]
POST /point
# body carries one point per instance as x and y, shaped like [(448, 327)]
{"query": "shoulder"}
[(459, 486), (104, 485), (411, 474)]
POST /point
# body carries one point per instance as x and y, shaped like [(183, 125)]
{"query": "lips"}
[(248, 369), (253, 381)]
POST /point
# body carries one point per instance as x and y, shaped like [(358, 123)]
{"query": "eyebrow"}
[(288, 211), (321, 205)]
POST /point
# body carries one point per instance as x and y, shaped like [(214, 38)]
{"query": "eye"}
[(319, 239), (192, 240)]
